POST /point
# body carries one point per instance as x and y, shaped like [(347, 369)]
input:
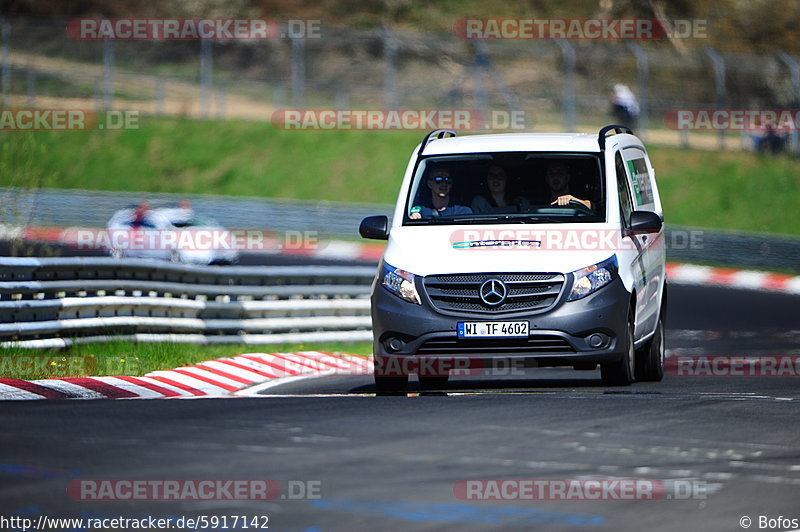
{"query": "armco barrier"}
[(733, 248), (93, 208), (51, 302), (89, 208)]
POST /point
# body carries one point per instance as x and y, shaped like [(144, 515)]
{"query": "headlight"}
[(400, 283), (592, 278)]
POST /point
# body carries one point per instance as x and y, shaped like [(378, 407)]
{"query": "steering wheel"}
[(580, 205), (577, 205)]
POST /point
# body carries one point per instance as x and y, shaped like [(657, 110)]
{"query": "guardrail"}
[(733, 248), (54, 302), (93, 208), (85, 208)]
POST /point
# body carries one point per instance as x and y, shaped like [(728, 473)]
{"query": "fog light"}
[(394, 344), (597, 340)]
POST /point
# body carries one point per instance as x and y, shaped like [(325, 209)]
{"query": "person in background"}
[(624, 106), (140, 215), (184, 214), (770, 141)]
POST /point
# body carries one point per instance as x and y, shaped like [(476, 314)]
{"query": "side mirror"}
[(376, 227), (645, 222)]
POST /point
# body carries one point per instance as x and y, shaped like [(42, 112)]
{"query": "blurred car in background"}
[(173, 233)]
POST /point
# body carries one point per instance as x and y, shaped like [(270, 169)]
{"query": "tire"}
[(391, 384), (650, 358), (621, 373), (388, 378), (433, 382)]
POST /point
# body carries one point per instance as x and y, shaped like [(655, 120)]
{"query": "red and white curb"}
[(213, 378), (689, 274)]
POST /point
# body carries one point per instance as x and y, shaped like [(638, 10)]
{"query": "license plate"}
[(492, 329)]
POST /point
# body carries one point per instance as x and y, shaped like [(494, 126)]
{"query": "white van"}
[(530, 250)]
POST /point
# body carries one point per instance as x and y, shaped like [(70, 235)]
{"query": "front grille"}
[(535, 344), (526, 292)]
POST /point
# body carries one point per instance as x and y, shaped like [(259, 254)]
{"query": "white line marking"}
[(70, 389), (11, 393), (254, 390), (140, 391)]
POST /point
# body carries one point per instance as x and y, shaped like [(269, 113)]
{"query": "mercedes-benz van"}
[(521, 250)]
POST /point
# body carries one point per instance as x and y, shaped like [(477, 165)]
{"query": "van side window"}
[(640, 180), (622, 189)]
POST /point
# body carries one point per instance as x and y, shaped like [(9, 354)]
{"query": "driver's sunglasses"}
[(441, 179)]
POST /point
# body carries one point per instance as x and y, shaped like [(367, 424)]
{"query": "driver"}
[(557, 178)]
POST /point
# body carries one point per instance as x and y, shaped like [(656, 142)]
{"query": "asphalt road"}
[(720, 447)]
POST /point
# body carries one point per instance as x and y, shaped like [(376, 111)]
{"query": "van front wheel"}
[(650, 358), (620, 373), (435, 382), (391, 384)]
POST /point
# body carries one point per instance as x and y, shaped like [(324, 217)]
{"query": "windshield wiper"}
[(428, 221), (485, 218), (509, 218), (538, 219), (503, 218)]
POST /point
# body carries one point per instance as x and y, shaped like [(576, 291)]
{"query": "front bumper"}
[(565, 335)]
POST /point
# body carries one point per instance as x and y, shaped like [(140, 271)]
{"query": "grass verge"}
[(136, 359), (725, 190)]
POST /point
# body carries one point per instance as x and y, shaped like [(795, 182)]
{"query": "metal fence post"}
[(480, 73), (221, 101), (5, 28), (390, 100), (98, 95), (568, 89), (719, 85), (342, 100), (160, 95), (298, 72), (108, 74), (206, 76), (31, 86), (643, 75), (279, 97), (684, 134), (794, 73)]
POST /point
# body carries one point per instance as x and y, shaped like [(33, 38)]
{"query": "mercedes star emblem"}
[(493, 292)]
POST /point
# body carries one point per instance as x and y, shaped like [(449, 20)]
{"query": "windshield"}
[(507, 187)]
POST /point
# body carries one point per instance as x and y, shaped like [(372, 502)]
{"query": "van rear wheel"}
[(620, 373)]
